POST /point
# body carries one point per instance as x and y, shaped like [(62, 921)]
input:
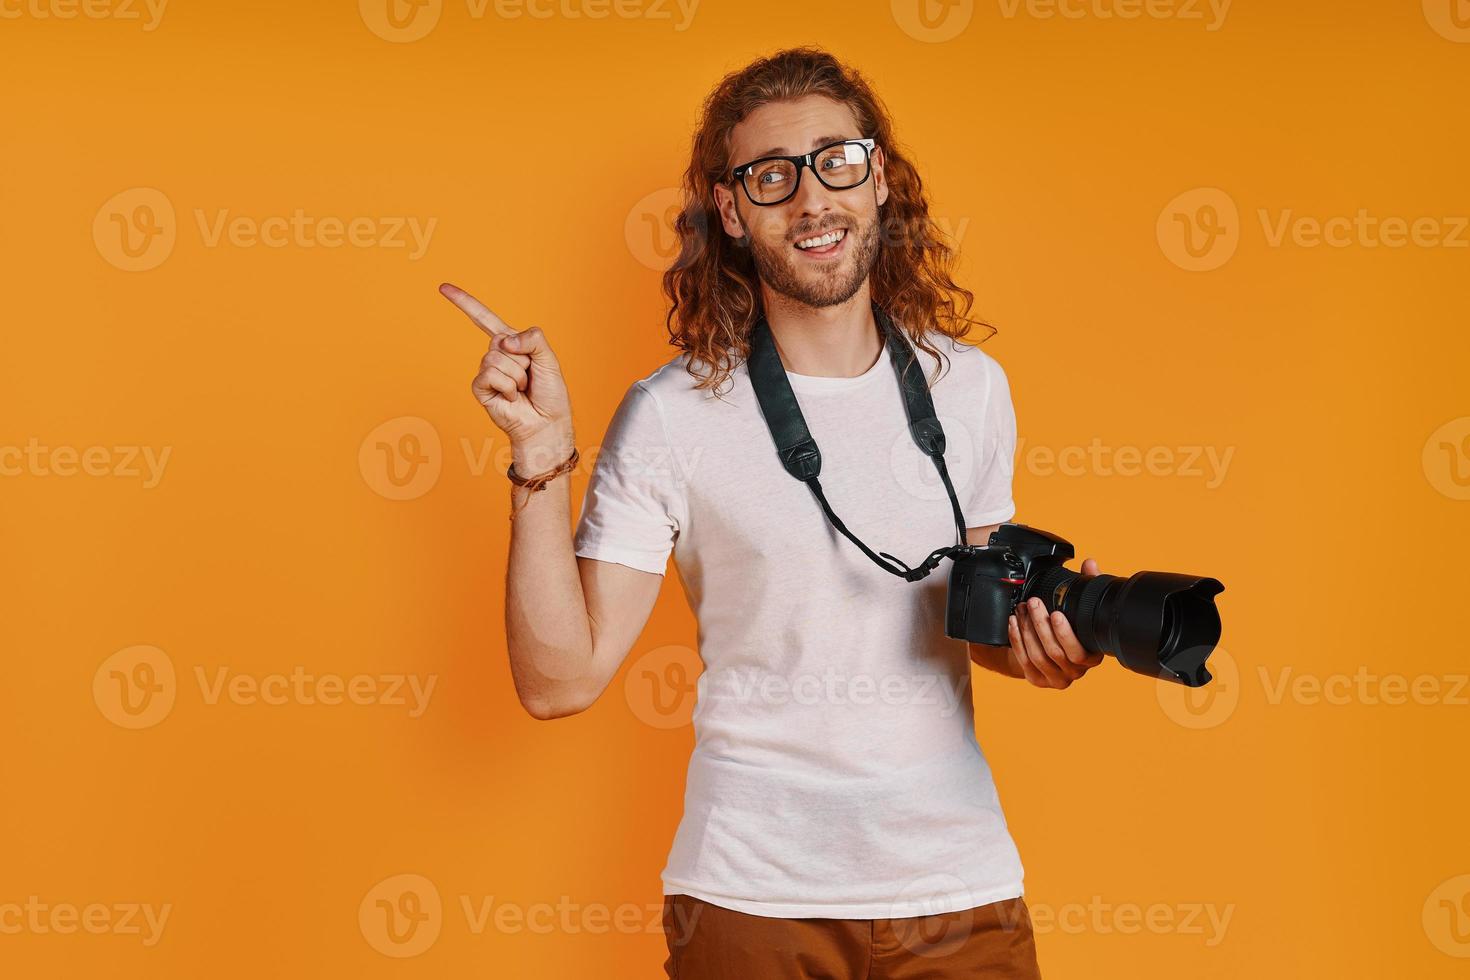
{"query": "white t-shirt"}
[(835, 771)]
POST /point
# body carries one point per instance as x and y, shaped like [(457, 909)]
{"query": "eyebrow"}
[(781, 151)]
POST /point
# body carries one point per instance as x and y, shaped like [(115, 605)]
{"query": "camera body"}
[(987, 582), (1161, 624)]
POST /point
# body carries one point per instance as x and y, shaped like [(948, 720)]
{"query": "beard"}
[(818, 286)]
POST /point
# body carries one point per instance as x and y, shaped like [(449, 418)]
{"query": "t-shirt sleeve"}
[(631, 511), (990, 499)]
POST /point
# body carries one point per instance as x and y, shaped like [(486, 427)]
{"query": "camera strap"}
[(803, 460)]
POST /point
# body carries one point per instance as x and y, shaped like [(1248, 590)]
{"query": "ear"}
[(729, 217), (880, 183)]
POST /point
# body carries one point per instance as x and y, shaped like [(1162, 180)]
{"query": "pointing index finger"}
[(483, 316)]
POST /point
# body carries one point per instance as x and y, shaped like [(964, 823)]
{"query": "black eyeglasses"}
[(839, 166)]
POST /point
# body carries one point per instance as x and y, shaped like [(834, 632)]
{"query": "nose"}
[(812, 196)]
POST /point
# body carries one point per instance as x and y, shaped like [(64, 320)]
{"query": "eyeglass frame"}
[(805, 161)]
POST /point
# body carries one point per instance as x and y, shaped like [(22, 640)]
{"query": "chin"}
[(823, 300), (807, 283)]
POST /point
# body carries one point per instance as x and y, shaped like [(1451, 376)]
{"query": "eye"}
[(771, 174)]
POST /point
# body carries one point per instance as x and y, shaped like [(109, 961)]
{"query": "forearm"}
[(997, 659), (548, 632)]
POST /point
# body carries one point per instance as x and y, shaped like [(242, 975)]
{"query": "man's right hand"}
[(520, 384)]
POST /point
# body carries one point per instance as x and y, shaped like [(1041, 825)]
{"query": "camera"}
[(1162, 624)]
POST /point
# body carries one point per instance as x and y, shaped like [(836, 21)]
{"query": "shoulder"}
[(666, 379), (672, 388), (964, 364), (660, 405)]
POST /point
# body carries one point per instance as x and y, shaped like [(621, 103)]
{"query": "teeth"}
[(823, 240)]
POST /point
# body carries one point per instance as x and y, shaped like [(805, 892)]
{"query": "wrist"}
[(543, 451), (997, 659)]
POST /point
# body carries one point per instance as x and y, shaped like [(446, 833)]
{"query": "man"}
[(840, 820)]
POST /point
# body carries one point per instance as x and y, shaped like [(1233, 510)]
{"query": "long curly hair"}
[(712, 285)]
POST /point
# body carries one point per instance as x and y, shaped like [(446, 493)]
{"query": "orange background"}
[(1332, 833)]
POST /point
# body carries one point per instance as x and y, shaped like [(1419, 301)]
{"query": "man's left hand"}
[(1044, 649)]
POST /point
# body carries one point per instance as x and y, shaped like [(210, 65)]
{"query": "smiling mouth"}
[(823, 245)]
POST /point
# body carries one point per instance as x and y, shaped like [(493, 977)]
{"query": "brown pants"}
[(708, 942)]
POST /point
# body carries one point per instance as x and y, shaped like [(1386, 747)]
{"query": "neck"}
[(839, 341)]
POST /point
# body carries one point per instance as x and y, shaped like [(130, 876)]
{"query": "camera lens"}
[(1161, 624)]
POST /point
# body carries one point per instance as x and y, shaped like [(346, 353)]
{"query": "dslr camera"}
[(1161, 624)]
